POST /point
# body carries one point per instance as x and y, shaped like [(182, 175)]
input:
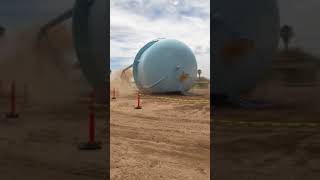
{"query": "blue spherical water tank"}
[(163, 66), (245, 35), (91, 43)]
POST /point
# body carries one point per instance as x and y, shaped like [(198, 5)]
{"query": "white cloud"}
[(136, 22)]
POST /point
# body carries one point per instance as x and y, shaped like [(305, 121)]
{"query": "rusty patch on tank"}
[(183, 77), (237, 48)]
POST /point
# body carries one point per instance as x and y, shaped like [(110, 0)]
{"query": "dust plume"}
[(122, 82), (43, 64)]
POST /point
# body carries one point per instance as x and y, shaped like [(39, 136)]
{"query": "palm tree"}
[(199, 73), (286, 35), (2, 31)]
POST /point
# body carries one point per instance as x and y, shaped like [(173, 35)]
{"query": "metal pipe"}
[(123, 73), (64, 16)]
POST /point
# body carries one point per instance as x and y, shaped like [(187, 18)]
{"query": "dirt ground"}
[(277, 143), (43, 142), (169, 138)]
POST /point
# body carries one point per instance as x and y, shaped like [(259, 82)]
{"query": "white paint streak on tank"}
[(245, 35), (163, 66)]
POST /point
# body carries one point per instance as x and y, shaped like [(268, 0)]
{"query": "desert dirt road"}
[(169, 138)]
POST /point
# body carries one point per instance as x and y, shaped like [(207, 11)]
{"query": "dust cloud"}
[(122, 82), (41, 64)]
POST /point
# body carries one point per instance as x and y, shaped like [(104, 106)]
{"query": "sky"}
[(17, 13), (303, 16), (133, 23), (136, 22)]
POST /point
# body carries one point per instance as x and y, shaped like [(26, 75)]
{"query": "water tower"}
[(244, 34), (164, 66), (90, 20)]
